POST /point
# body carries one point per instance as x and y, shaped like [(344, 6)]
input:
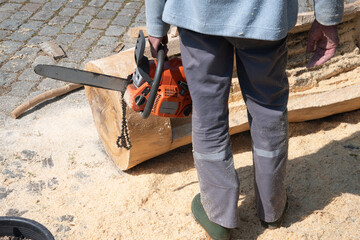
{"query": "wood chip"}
[(119, 47), (53, 49)]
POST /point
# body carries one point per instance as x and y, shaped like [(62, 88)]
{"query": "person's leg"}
[(261, 70), (208, 65)]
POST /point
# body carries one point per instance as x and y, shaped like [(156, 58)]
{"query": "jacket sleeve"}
[(155, 26), (329, 12)]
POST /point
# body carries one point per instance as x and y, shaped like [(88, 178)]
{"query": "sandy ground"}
[(54, 170)]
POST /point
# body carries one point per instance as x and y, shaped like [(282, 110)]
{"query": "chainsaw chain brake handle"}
[(143, 66)]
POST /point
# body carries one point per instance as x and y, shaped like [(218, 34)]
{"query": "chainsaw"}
[(157, 86)]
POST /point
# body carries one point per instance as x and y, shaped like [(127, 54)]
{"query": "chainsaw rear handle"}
[(155, 84)]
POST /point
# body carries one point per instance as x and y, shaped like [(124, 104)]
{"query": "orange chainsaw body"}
[(173, 97)]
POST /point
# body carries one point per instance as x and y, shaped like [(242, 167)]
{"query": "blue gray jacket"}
[(256, 19)]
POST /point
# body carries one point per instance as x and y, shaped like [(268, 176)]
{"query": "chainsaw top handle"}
[(156, 82)]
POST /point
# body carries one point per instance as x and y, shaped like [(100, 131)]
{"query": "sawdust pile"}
[(54, 170)]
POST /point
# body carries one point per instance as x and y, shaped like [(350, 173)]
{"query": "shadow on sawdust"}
[(309, 186)]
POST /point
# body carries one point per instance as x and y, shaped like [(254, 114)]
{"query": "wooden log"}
[(156, 135), (315, 93)]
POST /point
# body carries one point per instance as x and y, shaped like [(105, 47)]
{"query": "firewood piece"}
[(119, 47), (53, 49), (42, 97)]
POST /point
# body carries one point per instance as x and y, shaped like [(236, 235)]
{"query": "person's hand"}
[(326, 40), (155, 42)]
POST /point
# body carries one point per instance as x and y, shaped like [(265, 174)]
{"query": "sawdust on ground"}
[(54, 170)]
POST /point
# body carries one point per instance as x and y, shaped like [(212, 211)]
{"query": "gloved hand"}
[(326, 40), (155, 42)]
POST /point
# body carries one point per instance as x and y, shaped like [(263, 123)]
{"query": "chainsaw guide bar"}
[(82, 77)]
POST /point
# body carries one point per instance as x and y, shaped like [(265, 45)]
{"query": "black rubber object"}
[(23, 228), (155, 84)]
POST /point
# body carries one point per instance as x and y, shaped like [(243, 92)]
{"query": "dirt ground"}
[(54, 170)]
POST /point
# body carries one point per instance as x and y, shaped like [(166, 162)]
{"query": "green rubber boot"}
[(214, 231)]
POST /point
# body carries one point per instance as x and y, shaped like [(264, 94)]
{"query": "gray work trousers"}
[(208, 64)]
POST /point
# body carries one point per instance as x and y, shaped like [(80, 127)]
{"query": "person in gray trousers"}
[(210, 33)]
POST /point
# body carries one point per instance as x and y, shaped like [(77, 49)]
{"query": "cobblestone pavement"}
[(85, 29)]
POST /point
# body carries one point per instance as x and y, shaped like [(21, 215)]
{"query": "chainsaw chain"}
[(123, 140)]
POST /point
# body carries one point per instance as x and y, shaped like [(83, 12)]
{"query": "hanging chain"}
[(123, 140)]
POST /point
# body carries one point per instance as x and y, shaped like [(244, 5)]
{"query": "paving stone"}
[(10, 24), (97, 3), (82, 19), (6, 79), (4, 15), (137, 24), (89, 11), (127, 12), (69, 12), (29, 75), (62, 1), (28, 53), (121, 20), (9, 47), (141, 18), (10, 7), (92, 33), (15, 65), (21, 35), (99, 23), (114, 6), (21, 88), (65, 39), (59, 21), (68, 64), (48, 84), (36, 40), (106, 14), (142, 9), (3, 34), (128, 41), (76, 55), (21, 15), (82, 44), (74, 28), (38, 1), (19, 1), (31, 26), (114, 30), (43, 15), (100, 52), (75, 4), (107, 41), (43, 60), (49, 31), (31, 7), (9, 103), (3, 58), (134, 5), (52, 6)]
